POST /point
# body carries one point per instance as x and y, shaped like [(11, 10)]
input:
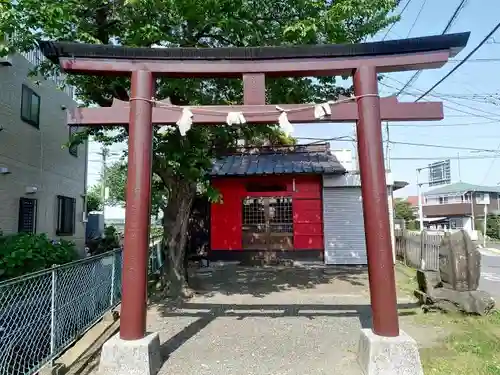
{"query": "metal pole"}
[(137, 214), (375, 204), (459, 173), (104, 152), (387, 146), (485, 224), (53, 313), (420, 208), (473, 223), (113, 274)]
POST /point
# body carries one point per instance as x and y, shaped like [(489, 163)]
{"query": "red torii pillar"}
[(137, 210), (375, 205)]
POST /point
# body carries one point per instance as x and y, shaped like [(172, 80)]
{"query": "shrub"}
[(108, 242), (23, 253)]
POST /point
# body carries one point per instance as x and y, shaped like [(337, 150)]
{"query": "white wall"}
[(354, 180)]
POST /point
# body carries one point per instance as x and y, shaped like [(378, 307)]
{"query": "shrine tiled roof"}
[(312, 161)]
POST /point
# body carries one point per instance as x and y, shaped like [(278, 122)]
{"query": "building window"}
[(482, 198), (73, 148), (30, 107), (66, 209), (267, 223), (27, 215), (443, 200)]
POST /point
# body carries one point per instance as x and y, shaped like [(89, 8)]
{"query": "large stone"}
[(137, 357), (470, 302), (459, 262), (388, 355), (428, 280)]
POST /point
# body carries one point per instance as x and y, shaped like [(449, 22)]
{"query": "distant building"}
[(456, 206)]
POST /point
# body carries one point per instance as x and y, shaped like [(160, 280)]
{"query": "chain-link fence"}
[(418, 249), (41, 314)]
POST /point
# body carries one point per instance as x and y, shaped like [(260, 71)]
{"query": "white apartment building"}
[(42, 183)]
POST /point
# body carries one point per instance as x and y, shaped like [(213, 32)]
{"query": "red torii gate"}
[(363, 61)]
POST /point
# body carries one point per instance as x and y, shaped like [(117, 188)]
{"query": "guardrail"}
[(43, 313)]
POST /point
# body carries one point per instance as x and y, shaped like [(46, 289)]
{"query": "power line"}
[(446, 157), (448, 100), (461, 63), (416, 18), (431, 145), (450, 23), (454, 17), (399, 15), (496, 122), (482, 60), (444, 146)]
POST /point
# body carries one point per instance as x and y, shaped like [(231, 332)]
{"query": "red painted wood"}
[(292, 67), (391, 110), (308, 242), (226, 217)]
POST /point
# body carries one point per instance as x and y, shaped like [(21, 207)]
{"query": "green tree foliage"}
[(108, 242), (405, 211), (23, 253), (492, 226), (180, 163), (94, 199)]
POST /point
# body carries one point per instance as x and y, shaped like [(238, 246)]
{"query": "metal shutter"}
[(343, 226)]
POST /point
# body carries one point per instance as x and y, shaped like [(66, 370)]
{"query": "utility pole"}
[(420, 208), (485, 224), (387, 147), (459, 174), (104, 154)]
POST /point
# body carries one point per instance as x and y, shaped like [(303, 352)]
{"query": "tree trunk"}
[(176, 219)]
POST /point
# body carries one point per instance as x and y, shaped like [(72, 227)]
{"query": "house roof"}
[(399, 185), (462, 187), (413, 200), (287, 160)]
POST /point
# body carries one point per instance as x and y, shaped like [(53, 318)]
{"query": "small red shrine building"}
[(271, 201)]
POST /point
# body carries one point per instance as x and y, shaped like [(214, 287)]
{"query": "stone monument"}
[(454, 286)]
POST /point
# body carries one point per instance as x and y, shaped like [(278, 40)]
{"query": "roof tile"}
[(277, 163)]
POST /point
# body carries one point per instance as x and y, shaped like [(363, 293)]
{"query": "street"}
[(490, 272)]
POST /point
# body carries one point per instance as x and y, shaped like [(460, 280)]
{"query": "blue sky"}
[(475, 77), (456, 130)]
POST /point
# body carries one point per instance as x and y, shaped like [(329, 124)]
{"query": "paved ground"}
[(287, 321), (490, 272)]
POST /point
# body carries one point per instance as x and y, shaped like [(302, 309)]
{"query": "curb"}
[(491, 249)]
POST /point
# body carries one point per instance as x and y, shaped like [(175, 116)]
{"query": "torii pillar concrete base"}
[(131, 357), (380, 355)]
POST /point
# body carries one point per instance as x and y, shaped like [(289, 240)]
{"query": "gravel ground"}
[(266, 321), (270, 321)]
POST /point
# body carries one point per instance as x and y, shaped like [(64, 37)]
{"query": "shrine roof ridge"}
[(454, 43)]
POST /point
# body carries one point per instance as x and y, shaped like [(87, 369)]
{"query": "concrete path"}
[(271, 321), (267, 322)]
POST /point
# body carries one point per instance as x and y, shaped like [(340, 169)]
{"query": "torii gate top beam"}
[(316, 60)]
